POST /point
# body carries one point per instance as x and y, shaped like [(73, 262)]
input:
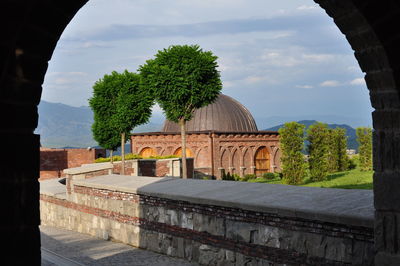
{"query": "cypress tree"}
[(364, 139), (318, 137), (291, 143)]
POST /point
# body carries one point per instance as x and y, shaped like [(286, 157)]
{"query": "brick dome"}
[(225, 114)]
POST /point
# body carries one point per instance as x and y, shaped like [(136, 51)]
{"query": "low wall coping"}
[(88, 168), (53, 188), (354, 207)]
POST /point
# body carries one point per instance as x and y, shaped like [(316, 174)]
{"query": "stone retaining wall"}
[(211, 231)]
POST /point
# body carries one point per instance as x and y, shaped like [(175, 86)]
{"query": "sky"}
[(282, 59)]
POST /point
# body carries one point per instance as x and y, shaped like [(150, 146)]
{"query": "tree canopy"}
[(182, 78), (119, 104), (318, 137)]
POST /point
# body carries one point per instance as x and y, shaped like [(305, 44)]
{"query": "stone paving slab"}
[(80, 249), (345, 206), (52, 187)]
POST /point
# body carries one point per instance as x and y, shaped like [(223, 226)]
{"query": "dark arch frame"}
[(30, 31)]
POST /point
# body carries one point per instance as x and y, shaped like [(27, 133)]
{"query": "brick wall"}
[(54, 161)]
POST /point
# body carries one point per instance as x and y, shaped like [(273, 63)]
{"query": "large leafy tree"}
[(318, 137), (291, 137), (119, 104), (183, 79), (337, 156), (364, 139)]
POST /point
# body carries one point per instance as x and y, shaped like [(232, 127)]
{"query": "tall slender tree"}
[(119, 104), (364, 139), (291, 143), (337, 156), (318, 137), (183, 79)]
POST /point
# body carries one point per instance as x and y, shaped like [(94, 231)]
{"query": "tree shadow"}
[(368, 185)]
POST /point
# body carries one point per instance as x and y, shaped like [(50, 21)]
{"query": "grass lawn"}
[(353, 179)]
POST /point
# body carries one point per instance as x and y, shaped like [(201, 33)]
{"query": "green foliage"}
[(183, 79), (291, 143), (337, 156), (269, 176), (228, 177), (119, 104), (364, 138), (352, 163), (318, 138), (132, 156), (354, 179), (248, 177)]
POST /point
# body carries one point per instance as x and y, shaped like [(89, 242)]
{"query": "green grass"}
[(353, 179)]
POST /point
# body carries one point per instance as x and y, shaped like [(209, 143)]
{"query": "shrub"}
[(269, 175), (248, 177), (228, 177), (236, 177), (132, 156), (352, 163)]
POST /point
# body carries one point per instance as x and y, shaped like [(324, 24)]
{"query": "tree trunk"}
[(182, 124), (111, 156), (123, 153)]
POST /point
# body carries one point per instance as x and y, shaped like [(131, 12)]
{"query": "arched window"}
[(178, 152), (147, 152)]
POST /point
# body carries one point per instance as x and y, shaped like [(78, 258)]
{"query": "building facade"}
[(221, 137)]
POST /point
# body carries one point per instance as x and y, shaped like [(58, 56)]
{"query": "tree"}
[(183, 78), (364, 139), (337, 156), (318, 137), (119, 104), (291, 143)]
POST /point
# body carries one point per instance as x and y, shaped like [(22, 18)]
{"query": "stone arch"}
[(30, 35), (247, 161), (236, 158), (201, 158), (148, 152), (225, 159)]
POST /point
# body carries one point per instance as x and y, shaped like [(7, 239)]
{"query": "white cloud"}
[(254, 79), (304, 86), (330, 83), (318, 57), (357, 81), (306, 7)]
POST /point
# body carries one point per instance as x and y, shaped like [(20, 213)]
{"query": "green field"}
[(353, 179)]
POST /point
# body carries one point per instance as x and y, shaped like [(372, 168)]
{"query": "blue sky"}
[(284, 60)]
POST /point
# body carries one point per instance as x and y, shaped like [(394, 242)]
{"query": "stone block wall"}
[(54, 161), (209, 234)]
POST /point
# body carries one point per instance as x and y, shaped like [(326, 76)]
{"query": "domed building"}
[(221, 137)]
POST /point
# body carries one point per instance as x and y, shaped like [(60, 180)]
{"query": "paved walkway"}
[(67, 248)]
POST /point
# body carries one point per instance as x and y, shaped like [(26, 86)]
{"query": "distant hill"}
[(350, 132), (61, 125)]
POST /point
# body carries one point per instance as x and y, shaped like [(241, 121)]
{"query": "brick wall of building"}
[(54, 161)]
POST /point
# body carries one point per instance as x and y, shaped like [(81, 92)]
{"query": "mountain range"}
[(61, 125), (350, 132)]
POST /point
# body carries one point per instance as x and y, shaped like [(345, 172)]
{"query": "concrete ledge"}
[(352, 207), (88, 168), (53, 188)]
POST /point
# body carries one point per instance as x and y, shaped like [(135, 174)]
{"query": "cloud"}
[(357, 81), (330, 83), (254, 79), (304, 86), (234, 26), (306, 7), (62, 79)]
